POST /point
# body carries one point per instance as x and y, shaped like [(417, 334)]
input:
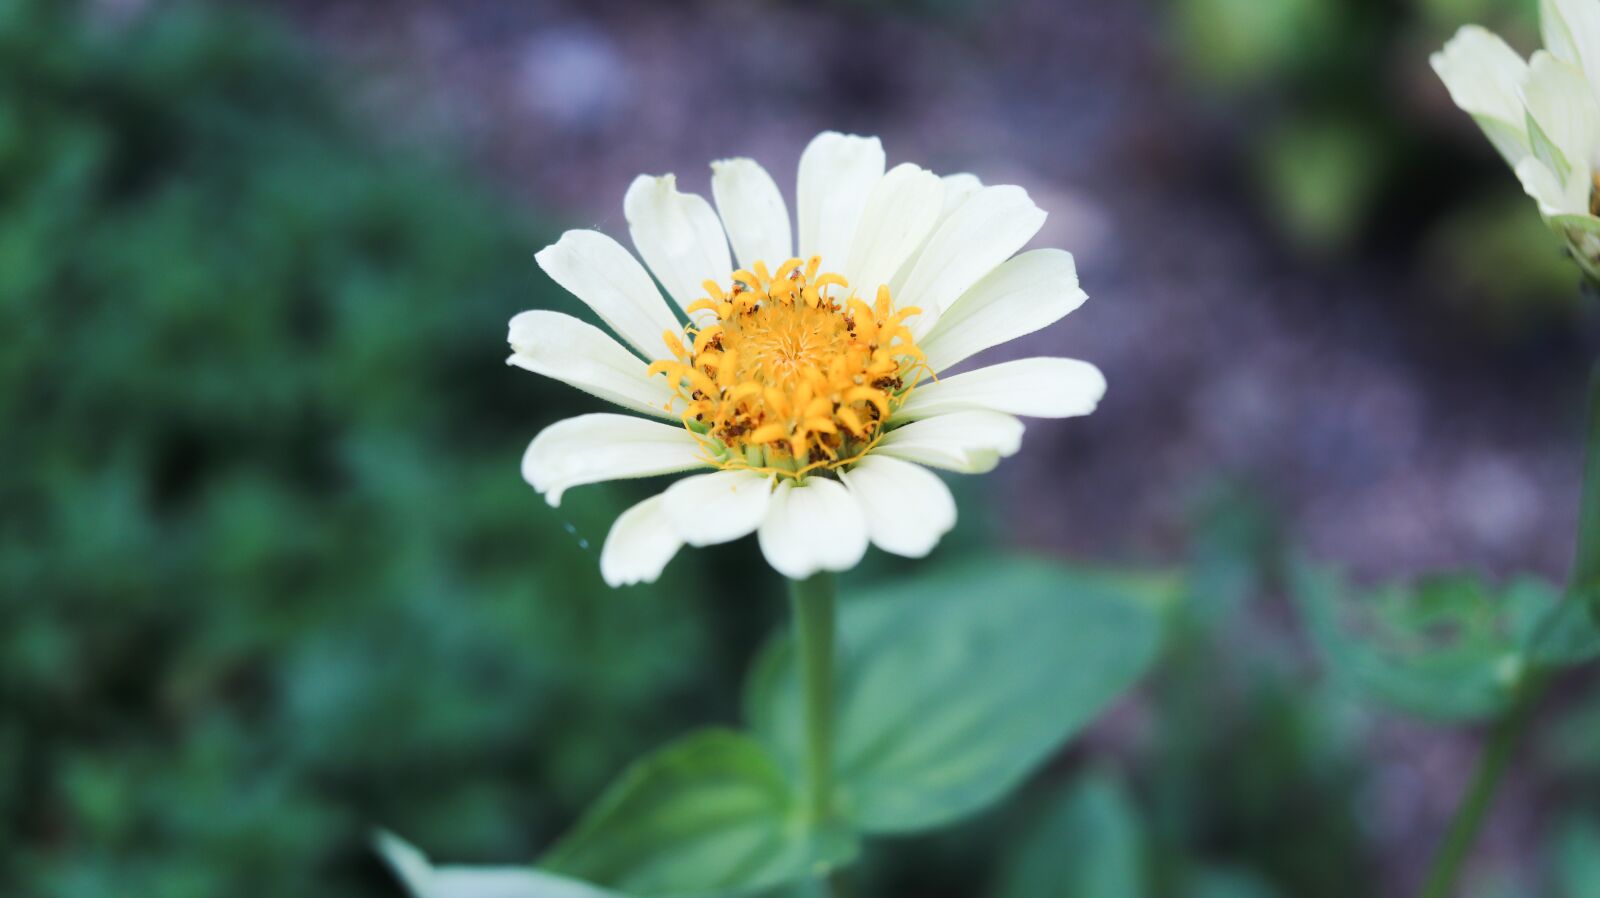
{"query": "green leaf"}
[(1566, 635), (1577, 859), (711, 814), (1087, 846), (1223, 882), (954, 686), (1447, 648)]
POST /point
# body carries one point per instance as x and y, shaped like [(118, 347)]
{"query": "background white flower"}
[(805, 380), (1542, 114)]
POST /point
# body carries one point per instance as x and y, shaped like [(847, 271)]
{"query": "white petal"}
[(423, 880), (678, 236), (1571, 30), (602, 446), (964, 442), (985, 231), (1037, 388), (900, 214), (837, 171), (719, 507), (1482, 73), (957, 188), (907, 506), (817, 526), (582, 355), (752, 211), (1031, 291), (639, 545), (1554, 197), (609, 280), (1564, 126)]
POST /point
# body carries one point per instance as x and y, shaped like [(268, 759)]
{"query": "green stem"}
[(1469, 815), (812, 602), (1497, 754)]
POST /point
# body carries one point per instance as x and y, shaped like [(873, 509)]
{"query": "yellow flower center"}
[(790, 371)]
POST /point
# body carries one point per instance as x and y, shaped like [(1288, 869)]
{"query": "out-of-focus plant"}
[(263, 568), (1334, 118), (1456, 650)]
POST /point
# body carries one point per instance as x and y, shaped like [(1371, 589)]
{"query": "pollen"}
[(790, 371)]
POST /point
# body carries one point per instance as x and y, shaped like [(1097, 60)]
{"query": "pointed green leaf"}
[(711, 814), (956, 685)]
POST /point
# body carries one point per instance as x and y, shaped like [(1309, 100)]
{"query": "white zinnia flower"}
[(805, 380), (1543, 114)]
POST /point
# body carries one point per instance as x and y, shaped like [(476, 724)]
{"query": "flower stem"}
[(812, 603), (1469, 815)]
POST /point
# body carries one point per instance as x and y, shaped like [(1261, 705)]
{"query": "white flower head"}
[(805, 384), (1542, 114)]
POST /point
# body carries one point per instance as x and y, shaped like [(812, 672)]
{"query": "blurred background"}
[(268, 573)]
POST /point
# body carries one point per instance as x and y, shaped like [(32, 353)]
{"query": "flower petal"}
[(1563, 120), (907, 507), (609, 280), (983, 232), (965, 442), (753, 212), (582, 355), (1571, 30), (837, 172), (719, 507), (957, 188), (1553, 196), (640, 544), (1482, 73), (423, 880), (678, 236), (602, 446), (900, 214), (815, 526), (1029, 292), (1038, 388)]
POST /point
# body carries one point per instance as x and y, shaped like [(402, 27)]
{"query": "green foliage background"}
[(268, 574)]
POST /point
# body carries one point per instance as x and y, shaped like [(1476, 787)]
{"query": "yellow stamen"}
[(795, 372)]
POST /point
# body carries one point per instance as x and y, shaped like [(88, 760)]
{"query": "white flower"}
[(423, 880), (804, 385), (1543, 114)]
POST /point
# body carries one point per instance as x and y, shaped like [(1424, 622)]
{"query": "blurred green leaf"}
[(1087, 846), (1222, 882), (1449, 648), (1577, 859), (1320, 175), (712, 813), (1236, 41), (1565, 635), (956, 684)]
